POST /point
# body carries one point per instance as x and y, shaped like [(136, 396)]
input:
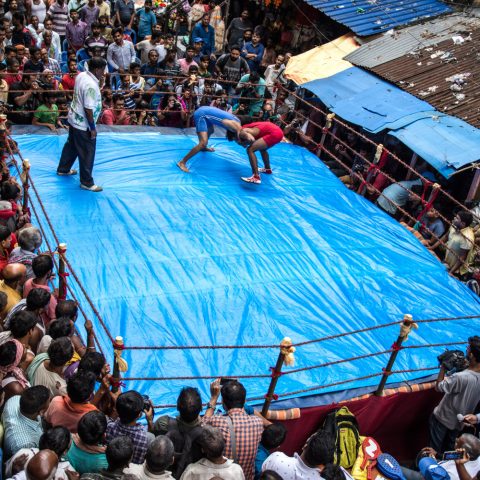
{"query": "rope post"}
[(119, 364), (62, 275), (25, 176), (285, 356), (326, 128), (405, 328)]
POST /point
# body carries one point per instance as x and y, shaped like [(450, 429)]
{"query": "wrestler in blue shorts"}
[(205, 119)]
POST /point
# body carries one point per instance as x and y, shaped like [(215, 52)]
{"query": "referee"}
[(82, 117)]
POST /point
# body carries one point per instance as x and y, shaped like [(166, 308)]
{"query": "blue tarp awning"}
[(366, 100), (365, 17), (446, 142)]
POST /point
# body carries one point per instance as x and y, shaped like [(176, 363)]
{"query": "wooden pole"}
[(117, 364), (26, 186), (285, 356), (413, 162), (474, 187), (405, 328), (326, 128), (62, 276), (227, 14)]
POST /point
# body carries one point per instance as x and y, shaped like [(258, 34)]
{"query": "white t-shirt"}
[(472, 468), (86, 94)]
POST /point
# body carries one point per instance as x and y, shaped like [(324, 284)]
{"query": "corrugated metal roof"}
[(397, 43), (446, 75), (370, 17)]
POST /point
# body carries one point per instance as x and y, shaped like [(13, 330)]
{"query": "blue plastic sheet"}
[(364, 99), (206, 259), (447, 143)]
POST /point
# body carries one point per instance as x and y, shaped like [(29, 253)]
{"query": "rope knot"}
[(406, 327), (275, 374), (287, 349)]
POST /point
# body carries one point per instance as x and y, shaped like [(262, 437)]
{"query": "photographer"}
[(251, 87), (222, 102), (462, 391), (171, 113), (24, 97)]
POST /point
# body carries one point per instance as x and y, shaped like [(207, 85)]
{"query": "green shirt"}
[(46, 114)]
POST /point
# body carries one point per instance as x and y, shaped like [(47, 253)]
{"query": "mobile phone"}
[(146, 402), (452, 455), (225, 380)]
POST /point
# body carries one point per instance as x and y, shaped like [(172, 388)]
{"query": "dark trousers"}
[(442, 439), (79, 144)]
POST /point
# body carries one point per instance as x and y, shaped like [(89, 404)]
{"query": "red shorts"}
[(270, 133)]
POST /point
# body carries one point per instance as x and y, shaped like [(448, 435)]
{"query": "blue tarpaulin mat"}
[(205, 259)]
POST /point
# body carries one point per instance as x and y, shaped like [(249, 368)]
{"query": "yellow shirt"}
[(13, 297), (104, 9)]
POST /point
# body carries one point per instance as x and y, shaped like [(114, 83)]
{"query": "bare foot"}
[(183, 167), (208, 149)]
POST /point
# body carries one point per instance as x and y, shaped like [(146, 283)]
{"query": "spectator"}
[(153, 43), (12, 8), (68, 80), (172, 113), (35, 28), (76, 31), (96, 40), (203, 30), (121, 53), (104, 8), (89, 14), (49, 44), (459, 240), (58, 13), (13, 380), (130, 407), (13, 277), (119, 454), (35, 63), (247, 37), (46, 115), (249, 87), (170, 66), (38, 8), (272, 437), (187, 427), (24, 97), (21, 419), (316, 454), (42, 466), (116, 115), (87, 452), (6, 241), (22, 326), (68, 410), (462, 391), (151, 67), (57, 43), (90, 362), (20, 33), (232, 67), (159, 457), (273, 74), (76, 5), (146, 20), (3, 85), (188, 61), (214, 464), (237, 27), (29, 240), (396, 195), (196, 13), (204, 67), (47, 368), (56, 439), (125, 13), (247, 428), (253, 53), (12, 76), (106, 28)]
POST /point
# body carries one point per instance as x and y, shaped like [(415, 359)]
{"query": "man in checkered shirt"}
[(247, 428)]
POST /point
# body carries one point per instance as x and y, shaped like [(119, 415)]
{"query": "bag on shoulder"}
[(343, 425)]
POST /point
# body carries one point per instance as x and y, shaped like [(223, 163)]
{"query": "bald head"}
[(42, 466), (470, 443), (14, 273)]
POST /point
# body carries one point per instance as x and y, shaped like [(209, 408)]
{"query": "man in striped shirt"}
[(243, 445), (58, 12)]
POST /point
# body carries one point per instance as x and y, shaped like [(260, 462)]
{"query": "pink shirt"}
[(50, 311)]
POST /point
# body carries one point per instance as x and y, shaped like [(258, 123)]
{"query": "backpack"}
[(190, 452), (343, 426)]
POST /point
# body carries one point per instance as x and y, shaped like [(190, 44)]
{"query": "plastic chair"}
[(82, 55), (64, 56), (64, 67), (81, 64), (65, 46), (132, 34)]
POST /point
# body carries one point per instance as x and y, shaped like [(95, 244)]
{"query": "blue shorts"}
[(206, 118)]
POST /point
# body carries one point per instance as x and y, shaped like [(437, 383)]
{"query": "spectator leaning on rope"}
[(462, 393)]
